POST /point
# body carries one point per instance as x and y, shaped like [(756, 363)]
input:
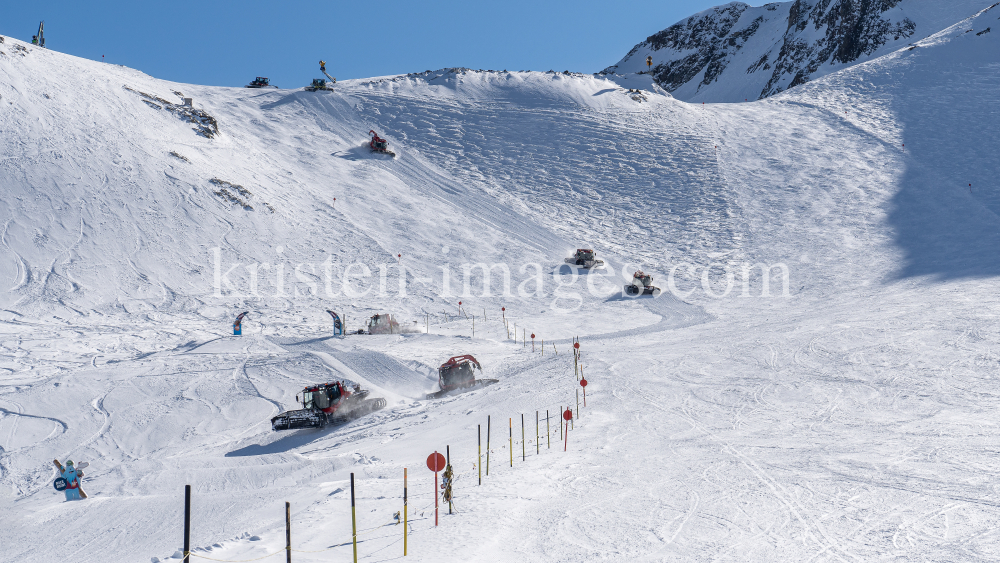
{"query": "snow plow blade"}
[(293, 420), (477, 384)]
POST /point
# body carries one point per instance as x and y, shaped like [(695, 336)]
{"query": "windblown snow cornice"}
[(736, 51)]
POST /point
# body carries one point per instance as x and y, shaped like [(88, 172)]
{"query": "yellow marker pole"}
[(548, 433), (479, 461), (511, 422), (405, 526), (354, 522)]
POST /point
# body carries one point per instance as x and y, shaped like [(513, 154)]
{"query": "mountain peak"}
[(738, 52)]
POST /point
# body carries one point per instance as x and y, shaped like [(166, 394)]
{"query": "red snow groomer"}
[(378, 144), (326, 404), (642, 284), (459, 374)]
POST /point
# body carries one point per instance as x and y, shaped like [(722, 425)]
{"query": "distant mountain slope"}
[(736, 52)]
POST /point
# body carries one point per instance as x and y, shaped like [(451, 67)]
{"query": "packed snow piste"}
[(378, 144), (458, 375), (585, 258), (642, 284), (328, 404)]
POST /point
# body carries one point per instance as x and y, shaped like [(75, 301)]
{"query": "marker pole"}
[(187, 523), (538, 445), (405, 523), (479, 461), (510, 422), (354, 522), (447, 457), (288, 532), (524, 454), (548, 433), (487, 446), (435, 492)]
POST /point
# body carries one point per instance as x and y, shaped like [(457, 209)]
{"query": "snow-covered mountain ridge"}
[(735, 52)]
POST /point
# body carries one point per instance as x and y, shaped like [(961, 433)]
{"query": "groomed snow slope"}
[(851, 420)]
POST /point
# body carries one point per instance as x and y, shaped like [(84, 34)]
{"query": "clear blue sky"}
[(228, 43)]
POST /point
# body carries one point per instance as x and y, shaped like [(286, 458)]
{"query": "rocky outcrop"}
[(736, 51)]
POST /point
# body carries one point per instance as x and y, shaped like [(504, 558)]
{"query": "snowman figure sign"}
[(69, 479)]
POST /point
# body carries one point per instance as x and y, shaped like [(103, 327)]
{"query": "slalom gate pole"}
[(354, 522), (510, 422), (187, 523), (523, 452), (487, 446), (479, 460), (473, 326), (543, 346), (578, 403), (288, 532), (584, 396), (538, 445), (405, 523), (447, 457), (548, 433)]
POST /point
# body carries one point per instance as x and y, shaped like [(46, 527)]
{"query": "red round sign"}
[(459, 302), (583, 383), (435, 462), (503, 308), (576, 345), (532, 336), (568, 415)]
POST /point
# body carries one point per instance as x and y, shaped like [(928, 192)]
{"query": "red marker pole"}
[(567, 416), (435, 462), (583, 383), (532, 341), (576, 359)]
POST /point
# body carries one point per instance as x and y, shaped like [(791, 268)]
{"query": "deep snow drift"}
[(846, 415)]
